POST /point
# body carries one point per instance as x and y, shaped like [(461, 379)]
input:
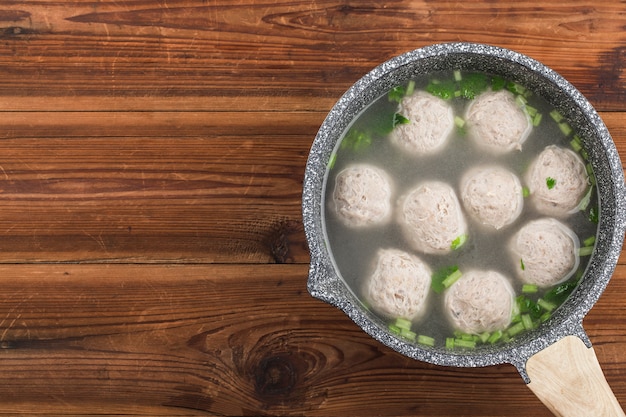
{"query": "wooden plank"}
[(195, 199), (193, 49), (81, 339)]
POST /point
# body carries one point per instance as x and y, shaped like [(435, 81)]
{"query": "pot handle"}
[(566, 377)]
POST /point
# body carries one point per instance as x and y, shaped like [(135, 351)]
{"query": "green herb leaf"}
[(528, 306), (356, 140), (473, 84), (399, 119), (439, 276), (396, 94), (497, 83), (442, 89), (550, 182), (558, 294)]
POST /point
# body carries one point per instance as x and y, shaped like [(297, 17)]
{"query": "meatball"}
[(431, 217), (480, 301), (362, 196), (544, 252), (557, 181), (492, 195), (497, 123), (399, 284), (431, 120)]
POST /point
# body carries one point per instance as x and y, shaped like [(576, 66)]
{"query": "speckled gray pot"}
[(325, 283)]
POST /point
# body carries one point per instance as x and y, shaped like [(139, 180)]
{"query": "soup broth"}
[(368, 141)]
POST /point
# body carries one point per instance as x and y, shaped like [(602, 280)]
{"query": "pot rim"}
[(326, 284)]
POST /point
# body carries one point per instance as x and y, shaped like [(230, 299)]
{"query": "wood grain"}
[(152, 255), (90, 338)]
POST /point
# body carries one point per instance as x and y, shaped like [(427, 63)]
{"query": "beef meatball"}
[(480, 301), (362, 196), (431, 217), (399, 284), (492, 195), (544, 252), (496, 123), (557, 180), (431, 120)]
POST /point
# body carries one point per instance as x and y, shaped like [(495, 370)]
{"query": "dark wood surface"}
[(152, 254)]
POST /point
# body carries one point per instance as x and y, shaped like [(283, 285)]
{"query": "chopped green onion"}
[(521, 101), (449, 343), (575, 143), (556, 115), (530, 288), (458, 121), (589, 241), (410, 88), (550, 183), (584, 154), (425, 340), (515, 329), (408, 334), (545, 316), (515, 309), (465, 336), (537, 119), (458, 242), (527, 322), (585, 251), (525, 191), (332, 160), (470, 344), (484, 336), (457, 75), (452, 278), (403, 323), (516, 318), (532, 111), (394, 329), (546, 305), (566, 129), (495, 336), (437, 278), (521, 264)]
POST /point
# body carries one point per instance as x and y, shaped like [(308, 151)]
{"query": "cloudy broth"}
[(366, 141)]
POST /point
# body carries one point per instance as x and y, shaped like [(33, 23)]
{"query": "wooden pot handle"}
[(567, 378)]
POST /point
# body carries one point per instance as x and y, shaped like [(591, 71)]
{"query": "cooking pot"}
[(556, 360)]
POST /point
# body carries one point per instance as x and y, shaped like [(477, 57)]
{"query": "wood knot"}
[(275, 376)]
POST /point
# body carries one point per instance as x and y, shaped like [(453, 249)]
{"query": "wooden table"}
[(152, 254)]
